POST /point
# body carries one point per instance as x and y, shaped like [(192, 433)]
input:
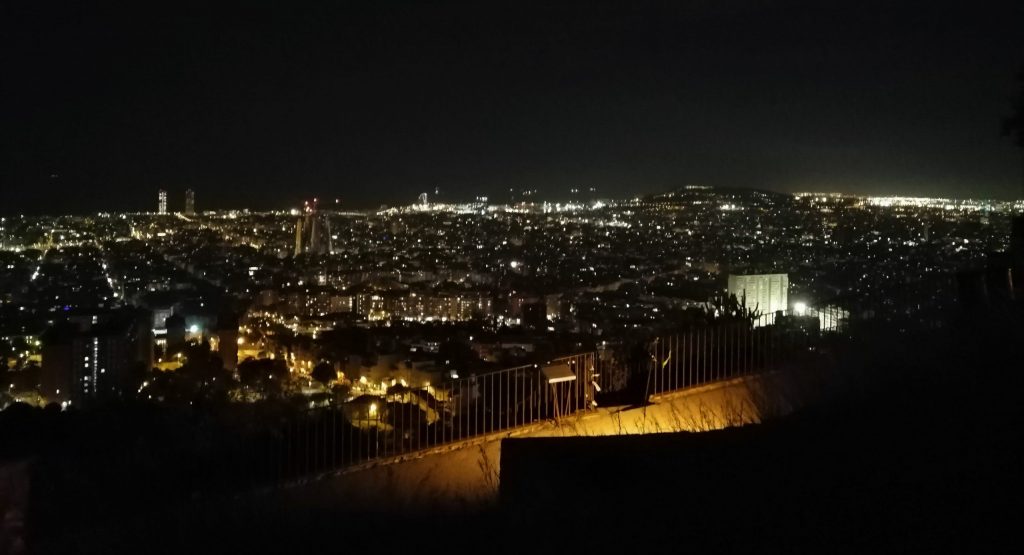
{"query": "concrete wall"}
[(468, 473)]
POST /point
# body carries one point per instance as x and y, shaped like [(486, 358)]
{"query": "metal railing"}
[(407, 420), (711, 353)]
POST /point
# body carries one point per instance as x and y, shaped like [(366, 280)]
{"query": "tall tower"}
[(161, 202), (315, 234), (190, 202), (298, 237), (312, 231), (330, 239)]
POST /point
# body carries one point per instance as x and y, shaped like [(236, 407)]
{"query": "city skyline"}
[(110, 293), (572, 199), (382, 103), (726, 275)]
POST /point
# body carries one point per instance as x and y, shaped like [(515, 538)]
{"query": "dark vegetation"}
[(912, 447)]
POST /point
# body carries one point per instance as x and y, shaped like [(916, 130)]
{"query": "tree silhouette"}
[(727, 307), (1013, 125), (265, 375), (201, 377), (324, 373)]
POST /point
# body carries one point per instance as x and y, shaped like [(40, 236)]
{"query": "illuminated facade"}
[(423, 308), (318, 301), (90, 360), (765, 293), (830, 318), (312, 232), (161, 202)]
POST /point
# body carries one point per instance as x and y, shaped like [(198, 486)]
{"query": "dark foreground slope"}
[(914, 451), (911, 449)]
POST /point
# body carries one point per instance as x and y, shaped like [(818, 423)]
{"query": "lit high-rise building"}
[(190, 202), (91, 359), (765, 293), (298, 236), (312, 232), (161, 202)]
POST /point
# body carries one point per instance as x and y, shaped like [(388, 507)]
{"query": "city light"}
[(433, 295), (570, 256)]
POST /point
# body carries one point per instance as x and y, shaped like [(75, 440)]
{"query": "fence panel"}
[(409, 419)]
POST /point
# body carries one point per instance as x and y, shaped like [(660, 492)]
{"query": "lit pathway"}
[(468, 472)]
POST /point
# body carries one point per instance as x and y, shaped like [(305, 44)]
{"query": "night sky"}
[(260, 107)]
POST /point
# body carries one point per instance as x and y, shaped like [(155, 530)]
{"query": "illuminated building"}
[(400, 305), (765, 293), (830, 317), (190, 202), (314, 301), (298, 237), (91, 359), (317, 244), (161, 202), (312, 232)]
